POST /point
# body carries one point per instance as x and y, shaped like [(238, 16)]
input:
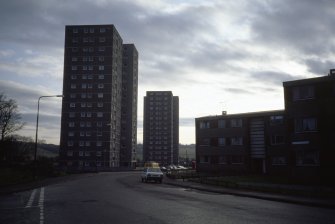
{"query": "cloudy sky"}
[(230, 55)]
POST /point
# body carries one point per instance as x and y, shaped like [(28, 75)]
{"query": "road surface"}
[(122, 198)]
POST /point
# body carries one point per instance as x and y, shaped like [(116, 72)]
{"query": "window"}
[(305, 125), (87, 154), (99, 114), (73, 86), (85, 39), (102, 39), (279, 160), (71, 124), (204, 124), (84, 59), (90, 76), (236, 141), (222, 160), (85, 30), (72, 95), (221, 141), (277, 140), (84, 68), (91, 39), (74, 59), (83, 104), (91, 58), (71, 134), (91, 30), (74, 68), (275, 120), (82, 124), (102, 30), (74, 49), (73, 77), (82, 134), (302, 92), (100, 86), (99, 143), (90, 67), (89, 104), (205, 142), (101, 76), (237, 160), (100, 104), (91, 49), (100, 95), (90, 86), (88, 114), (82, 114), (69, 153), (74, 30), (70, 143), (311, 158), (222, 123), (83, 86), (87, 143), (99, 133), (236, 123), (101, 58), (72, 105), (99, 124), (102, 48), (101, 67), (204, 159), (88, 134), (88, 124)]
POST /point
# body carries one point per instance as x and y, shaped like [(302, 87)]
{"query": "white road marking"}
[(41, 205), (31, 199)]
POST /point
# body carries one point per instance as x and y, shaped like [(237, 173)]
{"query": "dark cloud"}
[(237, 91), (304, 26), (319, 67), (273, 78)]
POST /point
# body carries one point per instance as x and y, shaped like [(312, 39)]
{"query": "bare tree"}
[(9, 117)]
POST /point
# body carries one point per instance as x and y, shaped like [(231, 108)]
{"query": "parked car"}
[(152, 174), (181, 168), (163, 169)]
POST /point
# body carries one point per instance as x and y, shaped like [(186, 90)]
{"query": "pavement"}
[(301, 200)]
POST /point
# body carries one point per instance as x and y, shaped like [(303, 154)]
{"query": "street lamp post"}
[(38, 111)]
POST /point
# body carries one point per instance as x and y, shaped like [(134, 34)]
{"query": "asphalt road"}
[(122, 198)]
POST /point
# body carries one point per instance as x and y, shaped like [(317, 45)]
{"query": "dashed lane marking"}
[(31, 199)]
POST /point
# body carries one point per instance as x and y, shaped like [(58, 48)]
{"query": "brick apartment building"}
[(296, 142)]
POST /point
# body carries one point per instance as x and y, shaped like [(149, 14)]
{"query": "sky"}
[(224, 55)]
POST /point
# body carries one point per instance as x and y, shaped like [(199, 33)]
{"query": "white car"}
[(152, 173)]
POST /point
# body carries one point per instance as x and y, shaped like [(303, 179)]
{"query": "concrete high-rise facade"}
[(161, 127), (92, 89), (129, 106)]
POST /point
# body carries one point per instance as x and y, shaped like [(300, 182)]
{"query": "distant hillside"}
[(48, 150), (187, 151), (184, 151)]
